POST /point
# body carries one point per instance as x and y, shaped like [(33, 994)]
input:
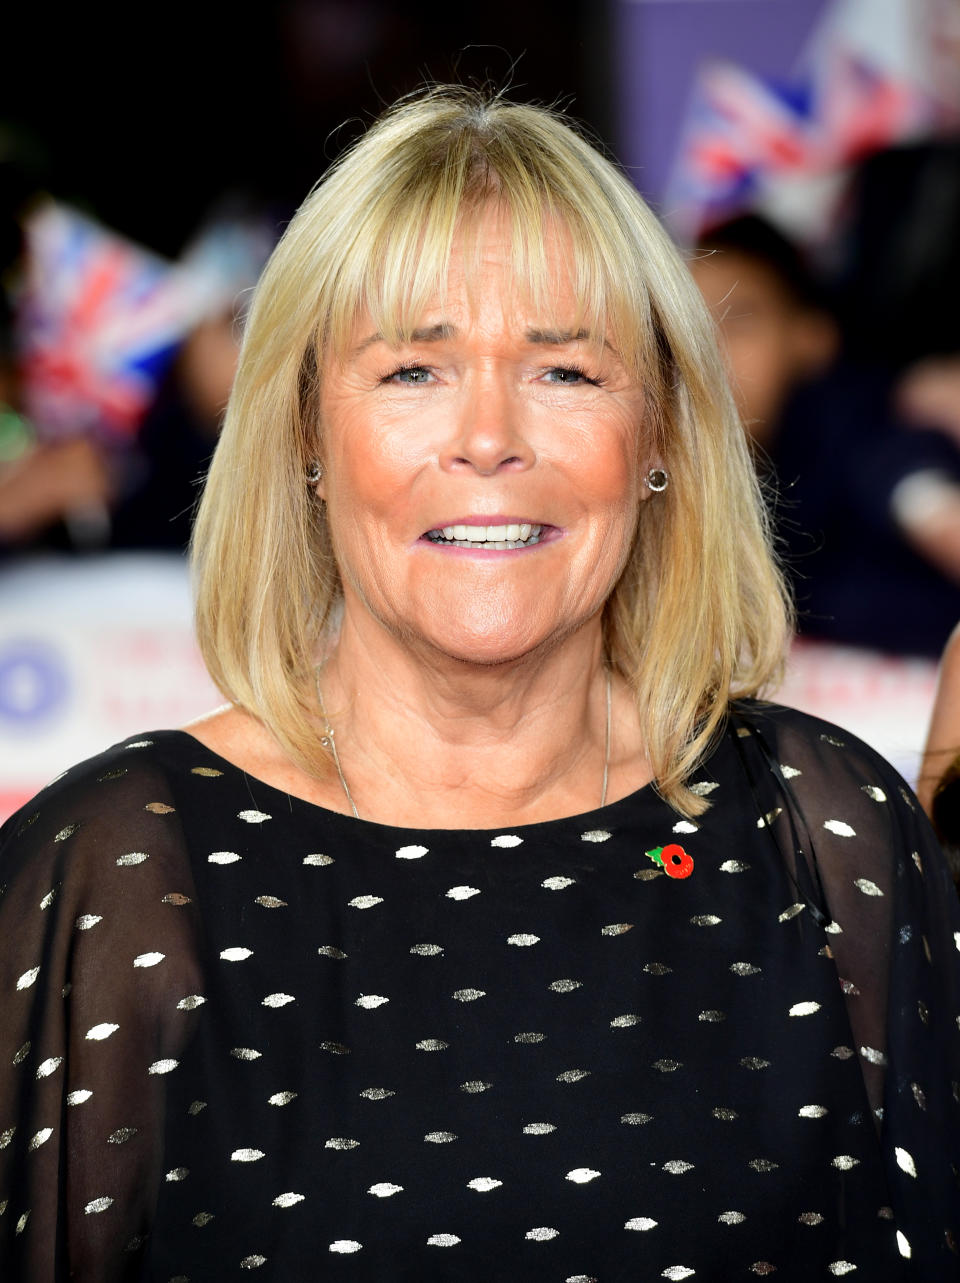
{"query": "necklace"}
[(327, 740)]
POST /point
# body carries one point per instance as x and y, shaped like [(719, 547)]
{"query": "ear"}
[(648, 450), (315, 478), (816, 340)]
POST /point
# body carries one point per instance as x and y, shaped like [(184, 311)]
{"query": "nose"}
[(488, 436)]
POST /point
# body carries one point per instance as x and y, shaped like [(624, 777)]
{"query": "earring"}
[(657, 479), (314, 472)]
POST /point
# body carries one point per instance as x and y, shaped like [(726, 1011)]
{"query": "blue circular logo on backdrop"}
[(33, 681)]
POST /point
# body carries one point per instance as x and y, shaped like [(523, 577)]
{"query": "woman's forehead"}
[(450, 320), (486, 285), (526, 271), (516, 328)]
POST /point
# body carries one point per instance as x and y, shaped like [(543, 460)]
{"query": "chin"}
[(491, 647), (493, 656)]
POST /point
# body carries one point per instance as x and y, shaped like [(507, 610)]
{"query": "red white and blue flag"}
[(869, 79), (99, 320), (739, 127)]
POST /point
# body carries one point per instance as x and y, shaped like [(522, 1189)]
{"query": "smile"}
[(498, 538)]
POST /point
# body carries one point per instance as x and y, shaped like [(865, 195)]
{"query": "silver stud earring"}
[(657, 479), (314, 473)]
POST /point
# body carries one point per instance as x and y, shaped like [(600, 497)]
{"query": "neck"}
[(429, 741)]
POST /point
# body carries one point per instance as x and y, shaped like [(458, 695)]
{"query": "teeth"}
[(505, 537)]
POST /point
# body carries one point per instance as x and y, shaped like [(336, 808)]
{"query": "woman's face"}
[(444, 458)]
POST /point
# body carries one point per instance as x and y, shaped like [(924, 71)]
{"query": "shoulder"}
[(802, 744), (851, 812), (847, 800), (239, 738), (97, 868), (110, 781), (122, 808)]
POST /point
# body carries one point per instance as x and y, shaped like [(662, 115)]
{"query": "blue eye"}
[(567, 375), (409, 374)]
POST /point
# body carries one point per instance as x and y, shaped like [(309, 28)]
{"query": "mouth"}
[(497, 538)]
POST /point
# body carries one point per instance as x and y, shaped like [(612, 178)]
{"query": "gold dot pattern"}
[(243, 1033)]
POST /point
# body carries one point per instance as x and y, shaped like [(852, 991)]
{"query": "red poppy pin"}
[(673, 859)]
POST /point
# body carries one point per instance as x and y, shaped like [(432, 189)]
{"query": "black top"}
[(241, 1032)]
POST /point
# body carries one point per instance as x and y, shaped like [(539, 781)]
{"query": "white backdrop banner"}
[(91, 651), (96, 649)]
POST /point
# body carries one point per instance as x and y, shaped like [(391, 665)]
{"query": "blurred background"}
[(805, 153)]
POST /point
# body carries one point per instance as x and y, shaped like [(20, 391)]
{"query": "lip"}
[(490, 519)]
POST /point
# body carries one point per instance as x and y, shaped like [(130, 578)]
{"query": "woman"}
[(483, 936)]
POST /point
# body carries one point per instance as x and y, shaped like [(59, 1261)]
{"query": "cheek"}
[(608, 474), (610, 494), (369, 467)]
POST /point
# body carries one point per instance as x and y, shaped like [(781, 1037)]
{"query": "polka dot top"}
[(243, 1033)]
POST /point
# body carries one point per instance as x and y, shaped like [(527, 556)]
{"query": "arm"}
[(926, 507), (928, 395), (93, 963), (893, 932), (943, 739)]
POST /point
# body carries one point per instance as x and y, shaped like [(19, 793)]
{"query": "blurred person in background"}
[(325, 67), (867, 512), (898, 275), (898, 285), (176, 437), (118, 368), (493, 930), (938, 785), (54, 492)]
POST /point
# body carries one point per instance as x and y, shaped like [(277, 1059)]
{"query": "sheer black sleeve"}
[(865, 857), (99, 974)]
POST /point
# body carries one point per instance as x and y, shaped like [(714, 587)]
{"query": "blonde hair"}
[(698, 616)]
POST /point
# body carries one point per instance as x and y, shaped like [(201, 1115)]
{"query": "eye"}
[(409, 375), (568, 376)]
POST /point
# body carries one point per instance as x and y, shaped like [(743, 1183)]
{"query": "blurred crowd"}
[(143, 184), (115, 367), (116, 364), (846, 367)]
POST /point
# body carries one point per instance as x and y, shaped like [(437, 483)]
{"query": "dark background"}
[(147, 118)]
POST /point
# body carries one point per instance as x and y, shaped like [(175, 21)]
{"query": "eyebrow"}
[(557, 337), (427, 334), (443, 331)]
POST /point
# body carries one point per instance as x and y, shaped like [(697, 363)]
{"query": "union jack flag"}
[(739, 126), (865, 84), (864, 108), (99, 320)]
